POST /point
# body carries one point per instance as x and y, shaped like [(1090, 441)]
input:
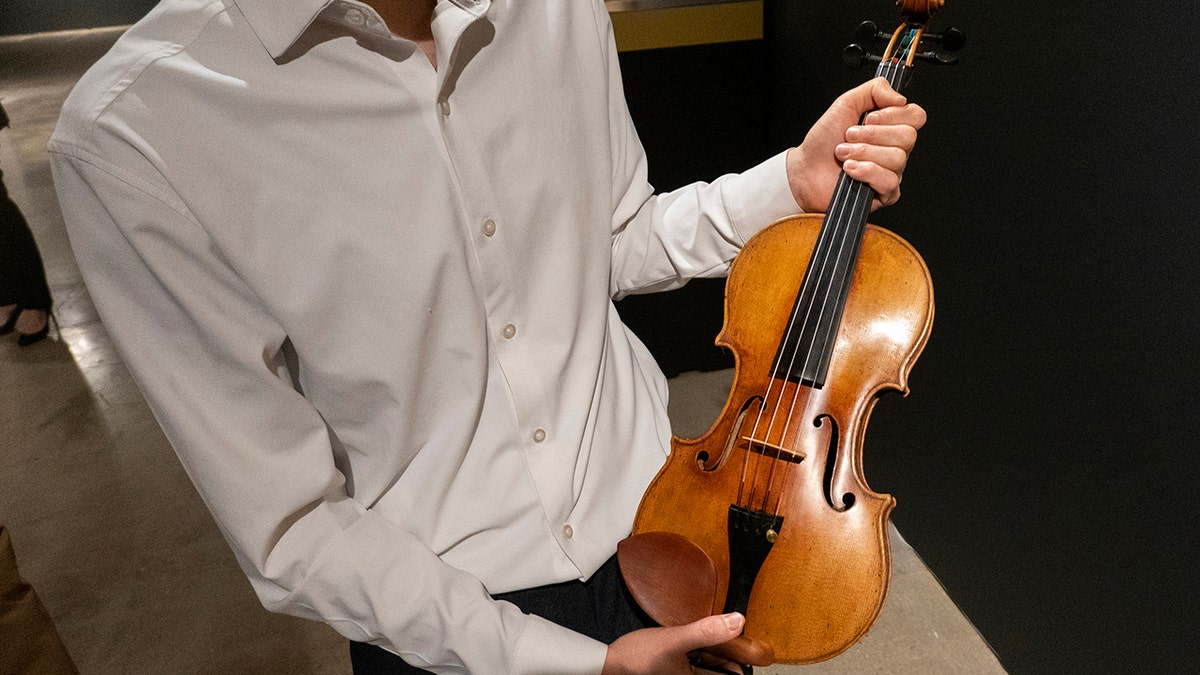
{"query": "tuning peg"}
[(867, 34), (938, 58), (951, 40), (855, 55)]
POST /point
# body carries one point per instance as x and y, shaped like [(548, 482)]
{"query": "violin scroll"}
[(937, 48), (918, 11)]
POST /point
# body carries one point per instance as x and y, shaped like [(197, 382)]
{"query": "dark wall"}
[(700, 112), (1043, 462), (36, 16)]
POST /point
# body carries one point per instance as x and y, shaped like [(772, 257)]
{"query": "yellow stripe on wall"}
[(691, 24)]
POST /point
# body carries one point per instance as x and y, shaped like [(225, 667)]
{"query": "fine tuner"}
[(868, 35)]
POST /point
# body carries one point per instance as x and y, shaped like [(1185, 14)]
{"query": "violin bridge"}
[(776, 451)]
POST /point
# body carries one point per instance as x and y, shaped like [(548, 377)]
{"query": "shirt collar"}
[(278, 23)]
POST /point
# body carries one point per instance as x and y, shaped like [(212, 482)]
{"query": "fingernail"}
[(850, 165), (853, 132), (734, 621)]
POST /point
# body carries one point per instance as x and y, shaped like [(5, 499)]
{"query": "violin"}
[(769, 513)]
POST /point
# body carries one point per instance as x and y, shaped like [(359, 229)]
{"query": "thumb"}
[(709, 631), (874, 94)]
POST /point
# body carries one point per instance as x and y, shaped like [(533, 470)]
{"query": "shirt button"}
[(510, 331), (489, 227), (568, 531), (444, 107), (539, 435), (355, 17)]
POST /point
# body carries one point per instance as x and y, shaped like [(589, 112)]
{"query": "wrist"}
[(796, 162)]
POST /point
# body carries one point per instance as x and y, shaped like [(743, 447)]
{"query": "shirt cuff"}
[(546, 648), (760, 196)]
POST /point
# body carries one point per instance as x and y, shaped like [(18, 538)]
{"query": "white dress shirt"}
[(370, 300)]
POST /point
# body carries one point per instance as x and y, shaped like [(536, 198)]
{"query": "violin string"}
[(852, 214), (838, 273), (778, 372), (850, 204), (847, 191), (853, 230), (844, 185), (823, 264)]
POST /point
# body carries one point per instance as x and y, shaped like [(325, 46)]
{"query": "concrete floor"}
[(110, 532)]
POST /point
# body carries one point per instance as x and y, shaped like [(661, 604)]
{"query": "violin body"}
[(795, 451)]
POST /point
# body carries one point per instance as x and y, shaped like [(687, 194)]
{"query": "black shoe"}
[(12, 321), (26, 339)]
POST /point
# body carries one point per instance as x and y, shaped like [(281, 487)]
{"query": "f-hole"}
[(752, 404), (839, 503)]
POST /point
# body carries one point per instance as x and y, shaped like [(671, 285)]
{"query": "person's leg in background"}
[(25, 300)]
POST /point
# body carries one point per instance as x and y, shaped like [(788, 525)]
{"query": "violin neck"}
[(807, 347), (895, 72)]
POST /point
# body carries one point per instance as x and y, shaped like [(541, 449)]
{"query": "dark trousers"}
[(600, 608), (22, 276)]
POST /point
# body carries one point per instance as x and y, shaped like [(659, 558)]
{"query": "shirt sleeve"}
[(209, 361), (662, 240)]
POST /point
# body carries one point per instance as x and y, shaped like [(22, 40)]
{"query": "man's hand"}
[(664, 651), (874, 152)]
